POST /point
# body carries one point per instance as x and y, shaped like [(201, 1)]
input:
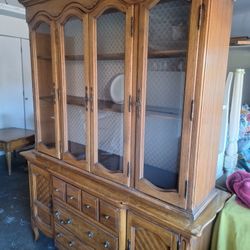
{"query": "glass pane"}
[(46, 86), (168, 26), (75, 87), (110, 77)]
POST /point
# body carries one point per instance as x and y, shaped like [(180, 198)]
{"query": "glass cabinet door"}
[(75, 86), (112, 87), (46, 88), (161, 93)]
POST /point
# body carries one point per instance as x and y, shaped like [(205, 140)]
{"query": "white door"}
[(11, 83), (27, 85)]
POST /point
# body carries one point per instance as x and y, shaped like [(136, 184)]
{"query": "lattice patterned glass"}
[(75, 87), (168, 31), (46, 87), (110, 70)]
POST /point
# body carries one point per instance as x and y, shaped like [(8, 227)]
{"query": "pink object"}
[(239, 183)]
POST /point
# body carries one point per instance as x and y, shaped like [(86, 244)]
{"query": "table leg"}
[(8, 158)]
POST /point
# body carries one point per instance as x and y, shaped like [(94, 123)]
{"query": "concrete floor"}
[(15, 229)]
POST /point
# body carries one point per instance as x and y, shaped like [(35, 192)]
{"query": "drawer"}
[(74, 196), (85, 230), (65, 240), (90, 205), (59, 188), (109, 216)]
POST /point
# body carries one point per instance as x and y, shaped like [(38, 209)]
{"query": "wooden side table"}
[(15, 138)]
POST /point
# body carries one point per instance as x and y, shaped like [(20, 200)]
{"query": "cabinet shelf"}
[(44, 57), (167, 53), (117, 56), (48, 98), (113, 107), (121, 56)]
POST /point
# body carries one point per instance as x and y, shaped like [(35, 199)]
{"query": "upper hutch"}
[(128, 97)]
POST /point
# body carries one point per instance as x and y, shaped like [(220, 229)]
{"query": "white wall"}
[(16, 27)]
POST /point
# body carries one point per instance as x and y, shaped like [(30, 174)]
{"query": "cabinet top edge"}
[(27, 3)]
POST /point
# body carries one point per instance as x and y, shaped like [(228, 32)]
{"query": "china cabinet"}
[(128, 97)]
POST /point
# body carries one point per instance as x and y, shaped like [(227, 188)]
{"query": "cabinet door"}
[(145, 235), (166, 76), (111, 77), (73, 30), (44, 62), (41, 202)]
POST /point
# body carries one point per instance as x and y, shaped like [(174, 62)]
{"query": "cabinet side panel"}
[(209, 95)]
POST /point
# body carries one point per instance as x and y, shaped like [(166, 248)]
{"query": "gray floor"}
[(15, 230)]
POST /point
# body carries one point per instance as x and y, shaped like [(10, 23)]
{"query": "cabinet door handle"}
[(106, 217), (87, 206), (106, 244), (86, 98), (137, 103), (59, 235), (91, 100), (71, 243), (68, 221), (56, 190), (57, 214), (71, 197), (90, 234)]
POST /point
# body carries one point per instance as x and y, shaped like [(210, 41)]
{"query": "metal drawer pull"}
[(106, 217), (87, 206), (59, 235), (90, 234), (71, 243), (57, 214), (71, 197), (106, 244), (68, 221), (56, 189)]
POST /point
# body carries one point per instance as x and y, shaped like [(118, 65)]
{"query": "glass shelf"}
[(120, 56), (113, 107)]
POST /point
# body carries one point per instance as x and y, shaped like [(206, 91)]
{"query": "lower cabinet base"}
[(84, 213)]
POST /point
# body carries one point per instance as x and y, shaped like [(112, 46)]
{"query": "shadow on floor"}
[(15, 229)]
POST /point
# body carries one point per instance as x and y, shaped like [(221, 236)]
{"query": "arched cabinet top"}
[(104, 5), (55, 8), (41, 18), (71, 11)]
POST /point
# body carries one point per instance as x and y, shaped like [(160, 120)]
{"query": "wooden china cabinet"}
[(128, 97)]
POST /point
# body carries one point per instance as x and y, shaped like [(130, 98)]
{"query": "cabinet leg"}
[(35, 230), (8, 158)]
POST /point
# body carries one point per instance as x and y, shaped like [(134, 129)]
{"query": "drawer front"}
[(85, 230), (59, 189), (90, 205), (74, 196), (109, 216), (66, 240)]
